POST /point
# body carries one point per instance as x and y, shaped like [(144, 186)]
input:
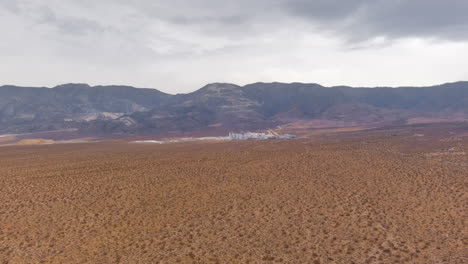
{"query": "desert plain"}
[(382, 196)]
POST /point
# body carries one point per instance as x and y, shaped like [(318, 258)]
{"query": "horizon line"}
[(86, 85)]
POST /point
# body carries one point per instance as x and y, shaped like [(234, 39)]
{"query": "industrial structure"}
[(252, 135)]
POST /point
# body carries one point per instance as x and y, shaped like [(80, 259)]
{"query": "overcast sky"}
[(181, 45)]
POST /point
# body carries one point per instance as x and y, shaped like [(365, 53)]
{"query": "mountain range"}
[(124, 110)]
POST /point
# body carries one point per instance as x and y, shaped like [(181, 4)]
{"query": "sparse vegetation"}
[(349, 198)]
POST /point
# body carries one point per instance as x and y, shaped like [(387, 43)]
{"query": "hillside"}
[(111, 110)]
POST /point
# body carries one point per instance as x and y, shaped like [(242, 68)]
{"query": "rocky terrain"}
[(122, 110), (383, 196)]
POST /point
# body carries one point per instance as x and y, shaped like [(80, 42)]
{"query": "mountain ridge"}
[(120, 109), (239, 86)]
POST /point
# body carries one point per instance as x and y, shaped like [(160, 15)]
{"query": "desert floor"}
[(371, 197)]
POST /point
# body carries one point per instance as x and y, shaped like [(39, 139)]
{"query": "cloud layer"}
[(179, 45)]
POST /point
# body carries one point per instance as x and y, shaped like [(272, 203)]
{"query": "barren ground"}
[(369, 197)]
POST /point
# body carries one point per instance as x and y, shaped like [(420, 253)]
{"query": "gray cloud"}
[(324, 10), (427, 18), (154, 43), (70, 24), (395, 19), (355, 19), (352, 19)]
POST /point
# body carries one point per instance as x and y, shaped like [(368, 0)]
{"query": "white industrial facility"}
[(252, 135)]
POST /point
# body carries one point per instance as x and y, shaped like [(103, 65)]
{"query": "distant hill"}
[(111, 110)]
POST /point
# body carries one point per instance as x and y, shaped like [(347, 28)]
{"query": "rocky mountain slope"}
[(129, 110)]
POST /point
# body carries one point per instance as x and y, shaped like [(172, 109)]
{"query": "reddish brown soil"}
[(366, 198)]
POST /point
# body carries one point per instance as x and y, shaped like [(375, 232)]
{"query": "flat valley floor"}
[(369, 197)]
